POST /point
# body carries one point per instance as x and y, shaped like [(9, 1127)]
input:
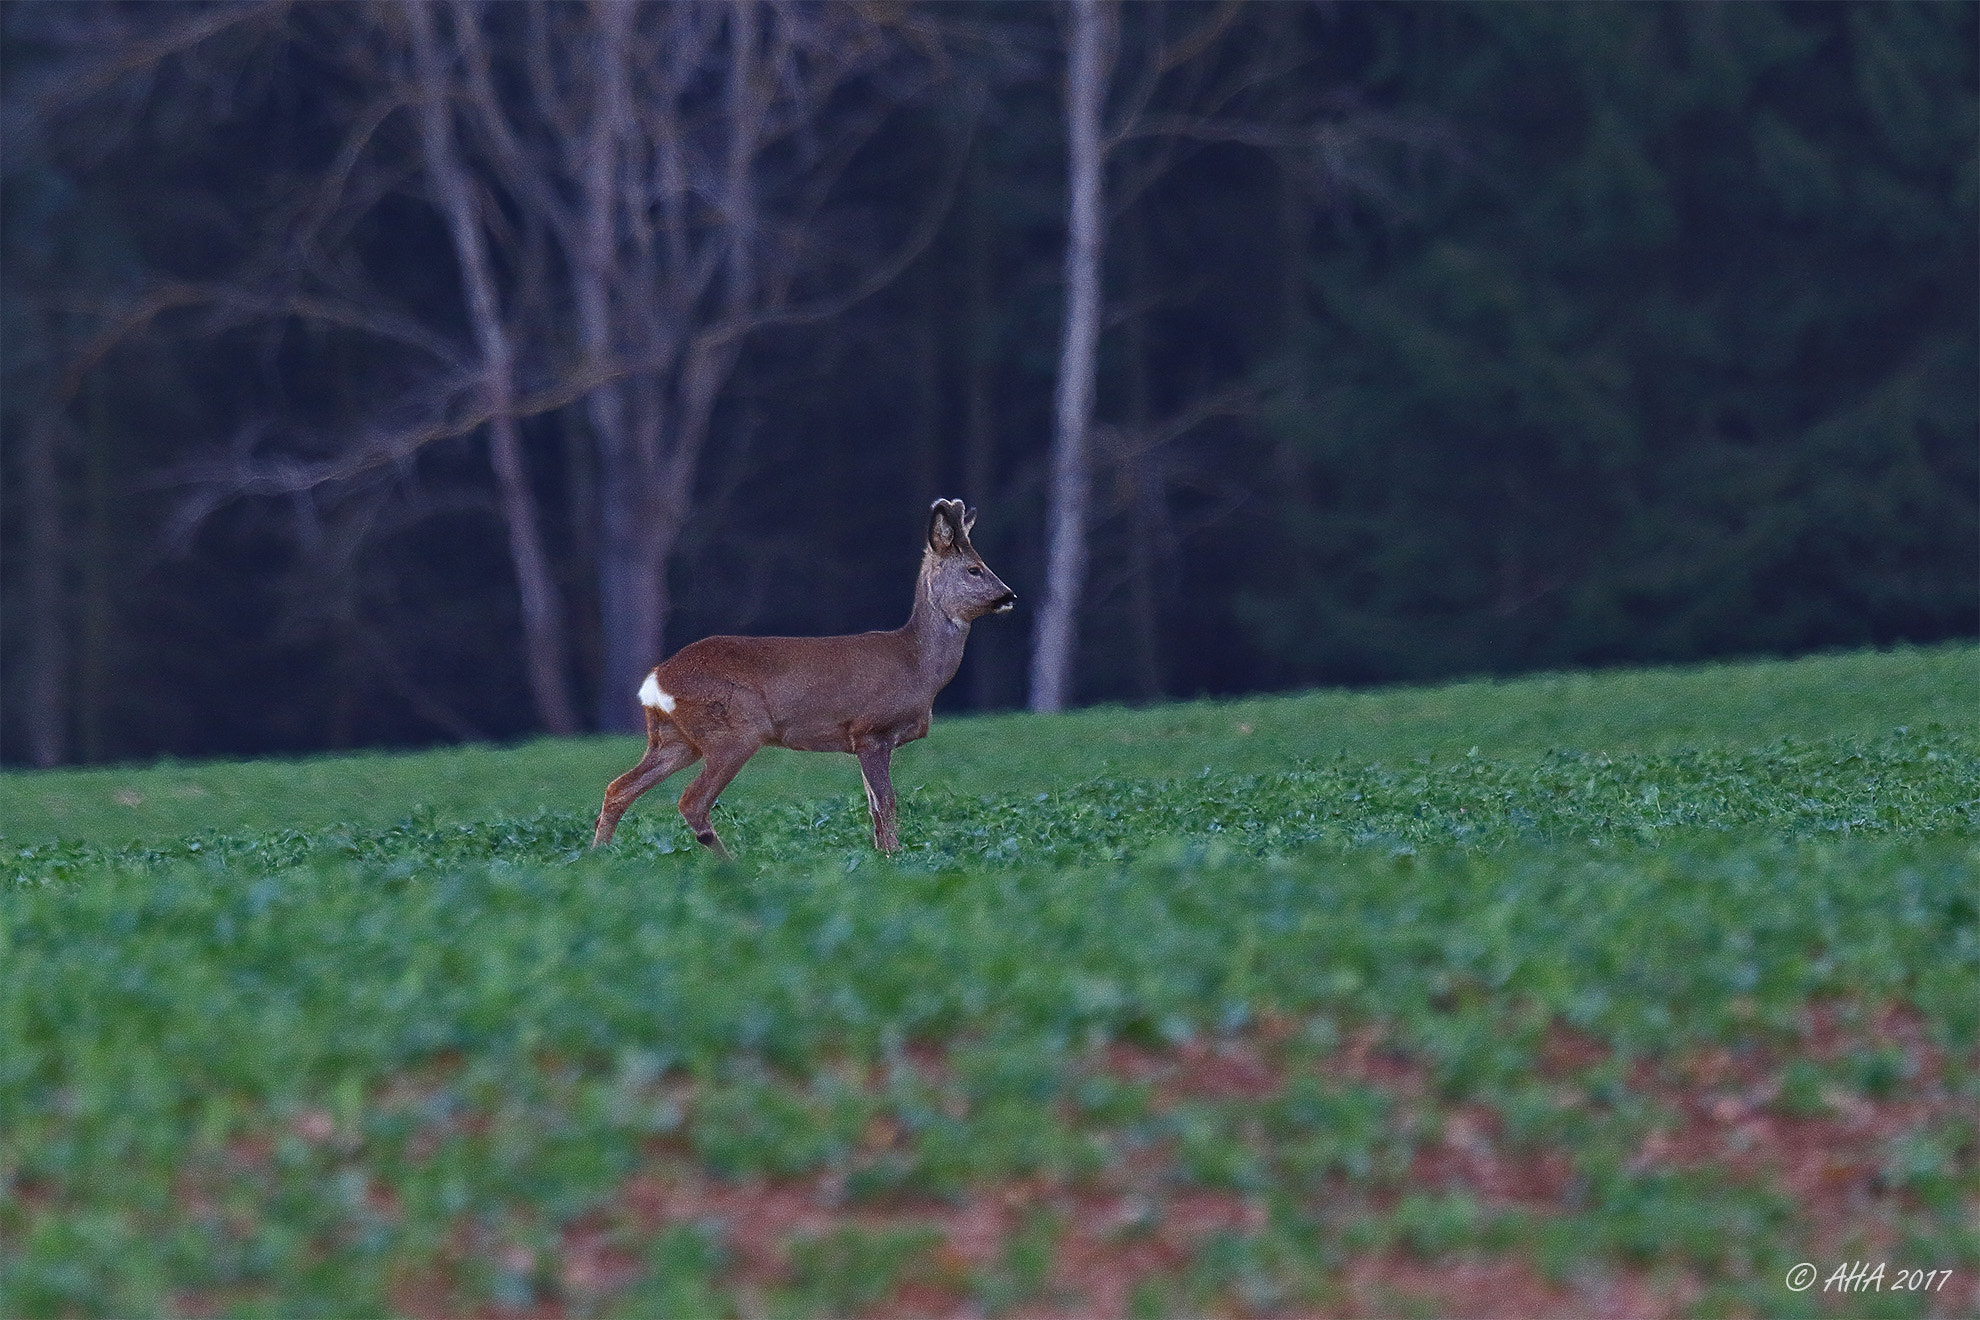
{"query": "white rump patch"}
[(651, 695)]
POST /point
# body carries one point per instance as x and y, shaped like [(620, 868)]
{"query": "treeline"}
[(378, 374)]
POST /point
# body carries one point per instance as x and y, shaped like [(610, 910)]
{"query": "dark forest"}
[(387, 374)]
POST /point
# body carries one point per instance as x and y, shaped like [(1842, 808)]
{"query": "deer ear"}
[(943, 530), (969, 521)]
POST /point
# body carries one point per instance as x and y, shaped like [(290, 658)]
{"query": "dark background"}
[(1440, 339)]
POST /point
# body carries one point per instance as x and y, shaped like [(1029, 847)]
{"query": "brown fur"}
[(865, 694)]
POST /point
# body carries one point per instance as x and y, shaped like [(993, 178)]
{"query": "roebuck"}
[(719, 699)]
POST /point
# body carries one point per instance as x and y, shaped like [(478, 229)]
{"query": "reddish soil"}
[(1137, 1222), (1503, 1289), (1831, 1164)]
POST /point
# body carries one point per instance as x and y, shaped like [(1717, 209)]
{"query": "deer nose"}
[(1004, 602)]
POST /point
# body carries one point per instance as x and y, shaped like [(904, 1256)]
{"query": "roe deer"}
[(722, 698)]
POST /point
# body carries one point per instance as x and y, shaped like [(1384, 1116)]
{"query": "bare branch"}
[(132, 54), (1125, 442)]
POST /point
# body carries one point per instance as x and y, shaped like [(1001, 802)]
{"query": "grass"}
[(1632, 990), (1626, 711)]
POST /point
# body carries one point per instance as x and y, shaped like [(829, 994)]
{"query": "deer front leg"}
[(879, 795)]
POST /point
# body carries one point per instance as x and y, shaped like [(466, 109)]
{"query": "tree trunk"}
[(1070, 493), (542, 611), (649, 454), (632, 584), (44, 693), (542, 606), (632, 589), (581, 513), (980, 351), (1140, 484), (632, 595), (94, 576), (925, 425)]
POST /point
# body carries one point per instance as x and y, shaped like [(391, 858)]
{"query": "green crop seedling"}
[(1643, 984)]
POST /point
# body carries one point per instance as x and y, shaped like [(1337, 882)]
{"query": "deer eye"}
[(974, 571)]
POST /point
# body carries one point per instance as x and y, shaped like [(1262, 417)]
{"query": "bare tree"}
[(1089, 60), (630, 193), (683, 158), (454, 194), (1136, 98)]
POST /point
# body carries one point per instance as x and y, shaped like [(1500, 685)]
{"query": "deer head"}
[(959, 584)]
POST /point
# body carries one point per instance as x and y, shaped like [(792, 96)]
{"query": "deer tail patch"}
[(652, 695)]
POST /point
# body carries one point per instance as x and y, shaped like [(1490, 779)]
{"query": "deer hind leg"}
[(722, 766), (879, 796), (666, 752)]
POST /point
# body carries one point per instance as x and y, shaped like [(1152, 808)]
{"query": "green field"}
[(1619, 993)]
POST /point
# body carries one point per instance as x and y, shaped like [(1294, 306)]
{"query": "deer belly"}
[(849, 734), (815, 737)]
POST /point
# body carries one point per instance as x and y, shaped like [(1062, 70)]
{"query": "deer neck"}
[(934, 639)]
